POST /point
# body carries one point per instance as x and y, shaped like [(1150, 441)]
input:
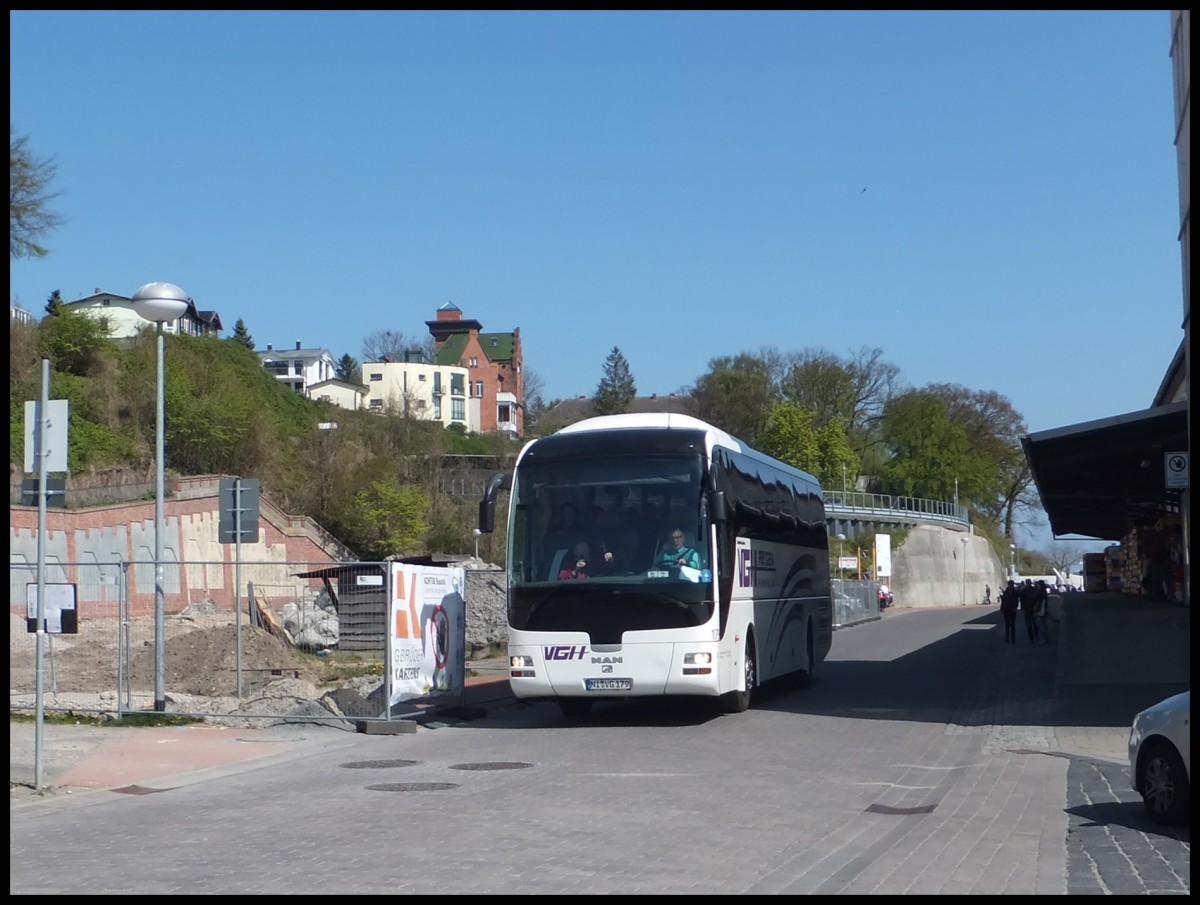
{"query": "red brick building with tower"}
[(494, 365)]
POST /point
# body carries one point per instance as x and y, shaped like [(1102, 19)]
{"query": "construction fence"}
[(250, 639)]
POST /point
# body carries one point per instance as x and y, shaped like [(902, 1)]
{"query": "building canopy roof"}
[(1101, 478)]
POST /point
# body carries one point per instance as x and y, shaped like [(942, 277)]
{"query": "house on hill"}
[(494, 368), (124, 322)]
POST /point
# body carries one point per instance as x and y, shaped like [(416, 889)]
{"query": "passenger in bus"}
[(674, 553), (580, 564)]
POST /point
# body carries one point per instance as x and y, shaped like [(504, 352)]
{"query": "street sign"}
[(1176, 467), (56, 492), (238, 520), (56, 436), (59, 608)]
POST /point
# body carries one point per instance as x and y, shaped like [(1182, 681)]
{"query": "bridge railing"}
[(889, 507)]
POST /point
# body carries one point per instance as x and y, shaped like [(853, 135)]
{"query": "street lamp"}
[(159, 303), (965, 541), (1012, 561), (476, 532), (840, 537)]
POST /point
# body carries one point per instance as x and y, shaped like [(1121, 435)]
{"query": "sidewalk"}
[(83, 757)]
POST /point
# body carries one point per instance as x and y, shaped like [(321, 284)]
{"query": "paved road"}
[(1021, 792)]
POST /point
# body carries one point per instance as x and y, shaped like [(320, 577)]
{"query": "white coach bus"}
[(654, 554)]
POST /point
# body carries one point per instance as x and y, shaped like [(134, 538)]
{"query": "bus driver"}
[(676, 554)]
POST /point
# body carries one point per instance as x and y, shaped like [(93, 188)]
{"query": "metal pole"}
[(160, 640), (963, 599), (43, 407), (237, 577)]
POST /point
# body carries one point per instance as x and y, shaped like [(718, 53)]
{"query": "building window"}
[(376, 376), (474, 363), (458, 385), (503, 415), (299, 365), (420, 377), (437, 408), (458, 410), (478, 389), (375, 404)]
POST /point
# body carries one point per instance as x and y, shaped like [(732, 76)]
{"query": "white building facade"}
[(419, 389), (299, 368)]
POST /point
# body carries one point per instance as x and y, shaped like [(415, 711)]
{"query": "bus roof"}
[(664, 420)]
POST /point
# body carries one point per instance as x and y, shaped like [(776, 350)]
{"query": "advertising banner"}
[(426, 638), (883, 556)]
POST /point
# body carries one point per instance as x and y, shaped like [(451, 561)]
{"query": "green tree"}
[(242, 336), (929, 450), (737, 394), (853, 390), (616, 388), (72, 340), (391, 519), (348, 369), (791, 436), (29, 196), (54, 304)]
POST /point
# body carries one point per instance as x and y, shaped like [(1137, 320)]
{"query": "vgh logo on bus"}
[(753, 566), (564, 652)]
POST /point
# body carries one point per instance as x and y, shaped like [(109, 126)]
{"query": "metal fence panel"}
[(249, 640)]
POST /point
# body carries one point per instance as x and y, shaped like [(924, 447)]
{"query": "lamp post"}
[(476, 532), (159, 303), (841, 538), (1012, 561), (965, 541)]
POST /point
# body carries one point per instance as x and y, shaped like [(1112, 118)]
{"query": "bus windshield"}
[(610, 531)]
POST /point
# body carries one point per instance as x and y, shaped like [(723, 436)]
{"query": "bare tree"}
[(393, 345), (29, 217)]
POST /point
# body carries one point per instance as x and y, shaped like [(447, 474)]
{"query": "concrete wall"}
[(934, 568)]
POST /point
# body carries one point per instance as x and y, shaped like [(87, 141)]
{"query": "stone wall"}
[(934, 568)]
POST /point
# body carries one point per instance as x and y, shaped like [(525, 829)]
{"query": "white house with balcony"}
[(124, 322), (417, 388), (299, 369)]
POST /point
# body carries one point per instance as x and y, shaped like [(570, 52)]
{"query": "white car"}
[(1160, 758)]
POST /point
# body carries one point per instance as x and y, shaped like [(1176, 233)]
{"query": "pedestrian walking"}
[(1009, 600), (1042, 607), (1028, 600)]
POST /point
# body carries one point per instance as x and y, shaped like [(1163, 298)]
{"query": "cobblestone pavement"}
[(1113, 848)]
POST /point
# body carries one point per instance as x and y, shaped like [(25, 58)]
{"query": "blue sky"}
[(988, 197)]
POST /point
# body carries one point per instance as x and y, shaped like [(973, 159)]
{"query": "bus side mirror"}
[(487, 506), (718, 509)]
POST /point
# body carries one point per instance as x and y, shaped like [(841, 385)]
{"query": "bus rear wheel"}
[(739, 701), (805, 676)]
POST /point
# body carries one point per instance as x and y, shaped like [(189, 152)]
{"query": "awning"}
[(1101, 478)]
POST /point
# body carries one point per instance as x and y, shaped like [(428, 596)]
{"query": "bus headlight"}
[(520, 666), (697, 663)]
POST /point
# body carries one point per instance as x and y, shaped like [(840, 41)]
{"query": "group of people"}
[(581, 563), (1031, 599)]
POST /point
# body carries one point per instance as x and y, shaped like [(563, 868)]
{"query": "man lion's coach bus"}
[(654, 554)]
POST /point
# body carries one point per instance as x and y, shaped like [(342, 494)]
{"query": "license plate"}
[(608, 684)]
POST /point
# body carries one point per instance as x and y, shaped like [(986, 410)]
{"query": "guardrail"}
[(855, 506)]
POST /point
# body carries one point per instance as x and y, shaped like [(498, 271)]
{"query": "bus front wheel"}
[(739, 701)]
